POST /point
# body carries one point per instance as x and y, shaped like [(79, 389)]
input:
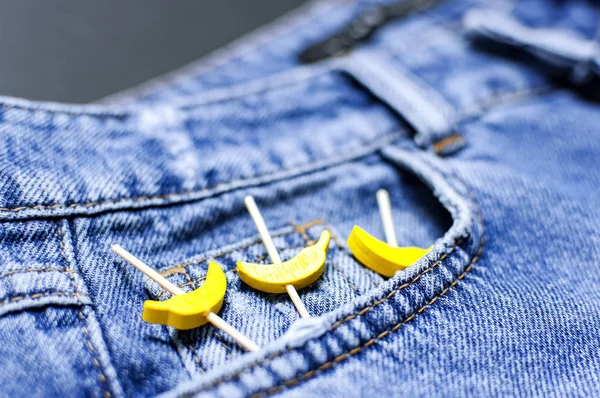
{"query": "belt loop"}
[(420, 105)]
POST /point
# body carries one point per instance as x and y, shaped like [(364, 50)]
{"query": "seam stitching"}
[(67, 268), (328, 160), (26, 270), (328, 365), (225, 346), (196, 358), (490, 103), (82, 317), (36, 296), (338, 323), (357, 350)]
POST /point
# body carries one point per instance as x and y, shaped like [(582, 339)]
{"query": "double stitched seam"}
[(82, 317), (37, 296), (196, 358), (308, 375), (489, 103), (26, 270), (275, 355), (328, 365), (225, 346), (327, 162)]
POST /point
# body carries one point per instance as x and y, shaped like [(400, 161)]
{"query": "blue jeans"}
[(487, 154)]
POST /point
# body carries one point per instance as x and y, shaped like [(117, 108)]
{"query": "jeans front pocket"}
[(263, 317), (48, 327)]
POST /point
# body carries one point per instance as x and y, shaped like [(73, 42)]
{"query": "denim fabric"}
[(484, 156), (564, 49)]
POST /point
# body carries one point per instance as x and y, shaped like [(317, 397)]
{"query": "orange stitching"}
[(301, 229), (196, 358), (396, 290), (172, 271), (89, 344), (357, 350), (337, 324), (64, 256), (25, 270), (265, 256), (36, 296), (92, 350), (357, 152), (227, 349), (439, 146), (488, 103), (188, 277)]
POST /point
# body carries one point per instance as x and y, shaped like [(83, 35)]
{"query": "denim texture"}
[(483, 154)]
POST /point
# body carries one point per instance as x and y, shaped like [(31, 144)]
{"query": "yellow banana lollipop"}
[(281, 277), (188, 310), (300, 271), (383, 258)]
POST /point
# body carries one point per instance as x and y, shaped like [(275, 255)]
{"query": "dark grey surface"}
[(76, 51)]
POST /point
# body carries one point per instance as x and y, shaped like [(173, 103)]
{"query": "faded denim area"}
[(485, 156)]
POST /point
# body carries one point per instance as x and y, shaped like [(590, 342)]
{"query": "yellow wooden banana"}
[(300, 271), (381, 257), (189, 310)]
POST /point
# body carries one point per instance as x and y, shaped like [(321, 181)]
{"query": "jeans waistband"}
[(70, 159)]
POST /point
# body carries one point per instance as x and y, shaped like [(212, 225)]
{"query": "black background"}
[(80, 51)]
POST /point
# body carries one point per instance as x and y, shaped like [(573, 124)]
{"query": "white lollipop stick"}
[(272, 251), (385, 210), (213, 318)]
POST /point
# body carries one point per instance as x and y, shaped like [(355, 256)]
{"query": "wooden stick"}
[(297, 301), (147, 270), (272, 251), (242, 340), (213, 318), (385, 210)]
